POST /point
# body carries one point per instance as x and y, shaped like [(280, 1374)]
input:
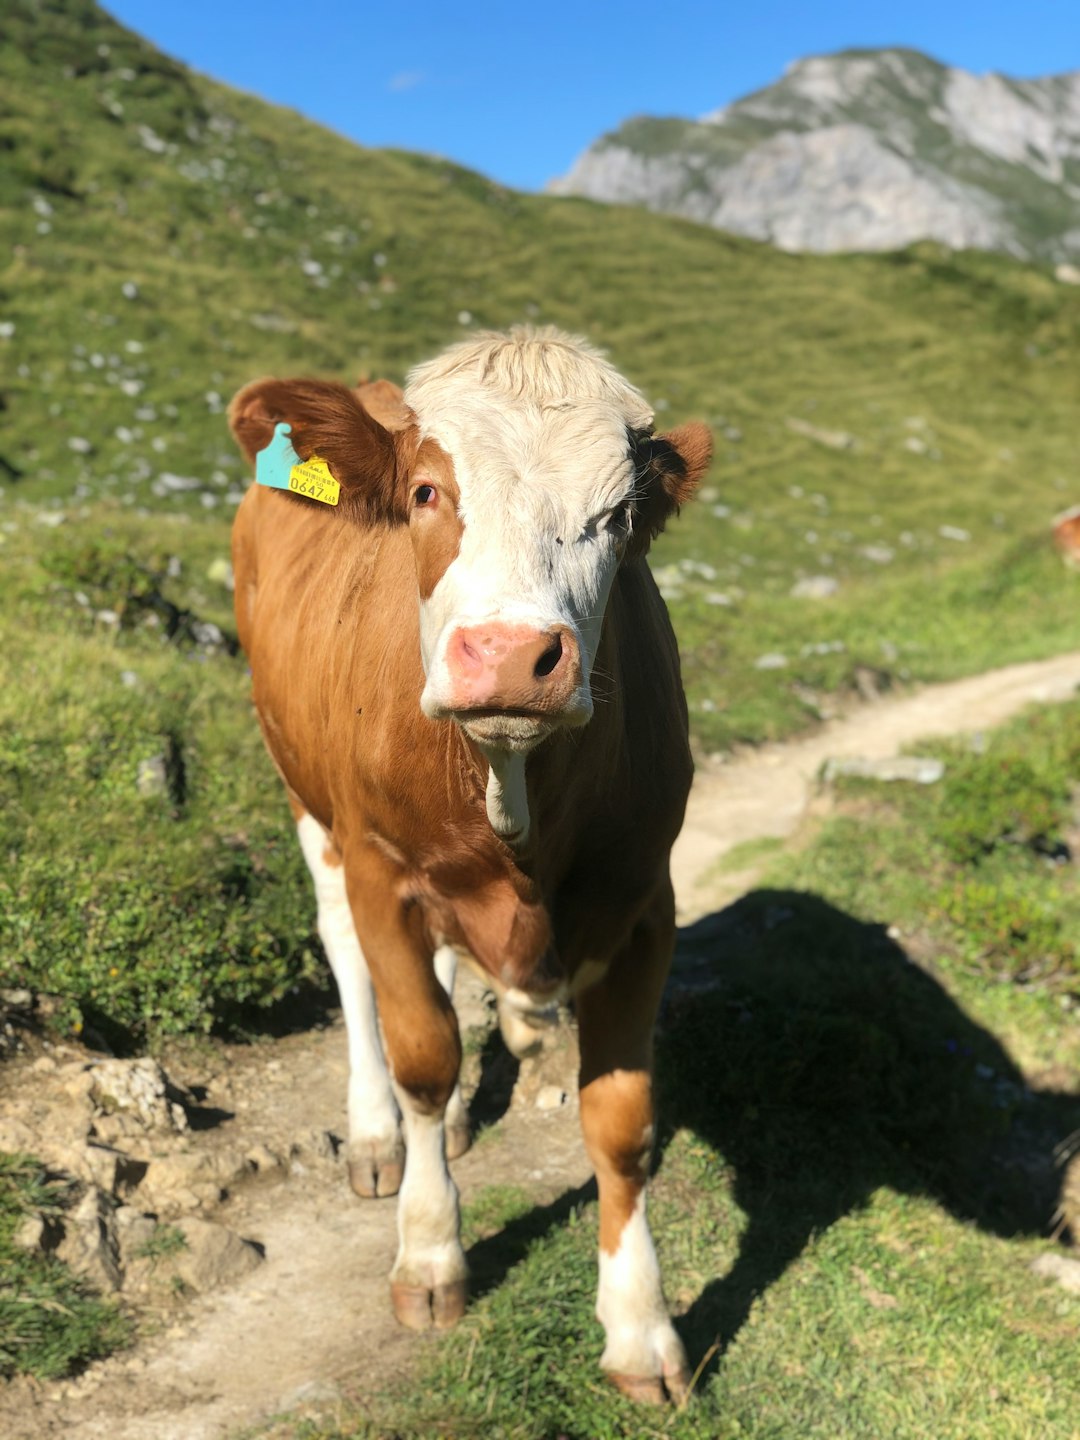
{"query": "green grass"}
[(148, 913), (857, 1154), (51, 1324)]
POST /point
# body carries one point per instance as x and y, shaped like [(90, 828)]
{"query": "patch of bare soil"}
[(277, 1300)]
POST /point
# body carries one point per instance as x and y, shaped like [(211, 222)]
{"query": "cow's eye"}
[(425, 495)]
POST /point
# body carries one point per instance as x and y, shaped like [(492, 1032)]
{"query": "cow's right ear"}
[(328, 420)]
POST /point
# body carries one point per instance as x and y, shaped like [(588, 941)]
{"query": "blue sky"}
[(517, 90)]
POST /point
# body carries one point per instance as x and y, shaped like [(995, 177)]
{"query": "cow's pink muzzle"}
[(513, 669)]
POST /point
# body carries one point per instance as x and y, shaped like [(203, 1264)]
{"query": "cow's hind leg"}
[(642, 1355), (458, 1130), (375, 1151)]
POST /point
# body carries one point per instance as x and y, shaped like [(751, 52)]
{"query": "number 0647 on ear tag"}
[(280, 467)]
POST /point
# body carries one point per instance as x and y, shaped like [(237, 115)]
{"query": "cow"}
[(468, 682)]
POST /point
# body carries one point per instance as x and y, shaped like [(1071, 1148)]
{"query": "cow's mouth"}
[(506, 729)]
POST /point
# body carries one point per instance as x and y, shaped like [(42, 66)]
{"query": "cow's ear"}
[(386, 402), (327, 419), (668, 470)]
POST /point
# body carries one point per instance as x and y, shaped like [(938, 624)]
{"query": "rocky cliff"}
[(864, 150)]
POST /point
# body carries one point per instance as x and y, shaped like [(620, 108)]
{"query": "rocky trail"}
[(276, 1299)]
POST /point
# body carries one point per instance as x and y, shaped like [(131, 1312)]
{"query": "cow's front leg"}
[(375, 1152), (458, 1129), (420, 1030), (643, 1355)]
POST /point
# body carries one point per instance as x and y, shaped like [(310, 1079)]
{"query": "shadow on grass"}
[(821, 1063)]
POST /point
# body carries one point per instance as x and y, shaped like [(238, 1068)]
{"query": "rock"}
[(770, 662), (90, 1245), (264, 1162), (314, 1146), (312, 1392), (139, 1090), (815, 587), (189, 1180), (134, 1231), (551, 1097), (153, 776), (112, 1170), (30, 1234), (917, 769), (1067, 274), (831, 439), (205, 632), (1060, 1268), (214, 1256), (220, 572)]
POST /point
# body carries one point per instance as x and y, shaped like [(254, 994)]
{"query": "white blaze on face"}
[(536, 428)]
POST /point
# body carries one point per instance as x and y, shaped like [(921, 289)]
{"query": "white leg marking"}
[(429, 1252), (374, 1131), (641, 1339), (457, 1116)]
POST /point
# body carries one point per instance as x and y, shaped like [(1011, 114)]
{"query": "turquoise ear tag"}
[(280, 467), (274, 465)]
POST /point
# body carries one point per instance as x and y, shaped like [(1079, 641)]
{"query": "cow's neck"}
[(507, 798)]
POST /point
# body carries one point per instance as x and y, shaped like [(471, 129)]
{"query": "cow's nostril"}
[(549, 659)]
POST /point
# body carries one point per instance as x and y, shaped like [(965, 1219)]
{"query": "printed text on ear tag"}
[(312, 478)]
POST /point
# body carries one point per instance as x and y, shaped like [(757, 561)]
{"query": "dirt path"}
[(312, 1323), (766, 793)]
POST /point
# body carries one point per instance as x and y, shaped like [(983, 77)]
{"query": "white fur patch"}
[(373, 1113), (446, 962), (641, 1339), (536, 426), (507, 798), (429, 1244)]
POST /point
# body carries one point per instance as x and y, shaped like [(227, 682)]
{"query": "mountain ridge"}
[(863, 150)]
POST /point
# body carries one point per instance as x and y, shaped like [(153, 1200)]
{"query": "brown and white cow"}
[(468, 682)]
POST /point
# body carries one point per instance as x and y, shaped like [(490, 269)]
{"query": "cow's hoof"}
[(653, 1389), (375, 1169), (419, 1308), (458, 1140)]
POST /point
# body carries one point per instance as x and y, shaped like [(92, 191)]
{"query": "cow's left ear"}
[(328, 420), (668, 469)]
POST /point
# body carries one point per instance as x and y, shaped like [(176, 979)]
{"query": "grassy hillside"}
[(900, 427)]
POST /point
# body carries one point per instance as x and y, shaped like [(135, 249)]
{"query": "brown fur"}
[(669, 469)]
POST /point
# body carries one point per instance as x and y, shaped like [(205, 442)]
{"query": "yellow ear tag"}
[(312, 478)]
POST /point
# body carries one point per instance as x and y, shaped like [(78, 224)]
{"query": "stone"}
[(551, 1097), (138, 1089), (90, 1245), (214, 1255), (1061, 1268), (916, 769), (220, 572), (152, 777), (815, 587), (190, 1180)]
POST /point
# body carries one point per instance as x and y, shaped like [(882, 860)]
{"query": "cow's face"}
[(526, 472), (535, 477)]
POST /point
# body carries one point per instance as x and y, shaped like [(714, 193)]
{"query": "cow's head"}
[(527, 471)]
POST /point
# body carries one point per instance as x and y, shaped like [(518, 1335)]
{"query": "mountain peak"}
[(864, 149)]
